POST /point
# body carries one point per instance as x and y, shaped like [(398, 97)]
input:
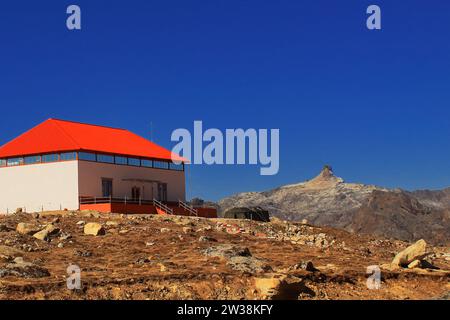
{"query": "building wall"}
[(91, 174), (47, 186)]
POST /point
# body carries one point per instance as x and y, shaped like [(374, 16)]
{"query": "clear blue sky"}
[(373, 104)]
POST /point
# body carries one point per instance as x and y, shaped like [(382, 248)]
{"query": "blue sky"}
[(373, 104)]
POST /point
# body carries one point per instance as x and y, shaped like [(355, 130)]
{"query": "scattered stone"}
[(206, 239), (162, 267), (304, 265), (9, 253), (248, 264), (141, 261), (124, 231), (27, 228), (19, 210), (149, 244), (4, 228), (84, 254), (188, 230), (27, 247), (112, 223), (60, 245), (238, 258), (35, 215), (56, 220), (94, 229), (417, 251), (65, 236), (227, 251), (164, 230), (23, 269), (81, 222)]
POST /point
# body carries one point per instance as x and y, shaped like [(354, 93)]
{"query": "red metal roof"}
[(55, 135)]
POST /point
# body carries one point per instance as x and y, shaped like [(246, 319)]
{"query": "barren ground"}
[(164, 257)]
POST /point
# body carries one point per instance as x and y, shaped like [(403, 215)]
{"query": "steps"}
[(161, 208), (191, 210)]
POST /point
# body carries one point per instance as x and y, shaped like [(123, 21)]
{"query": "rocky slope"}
[(327, 200), (172, 257)]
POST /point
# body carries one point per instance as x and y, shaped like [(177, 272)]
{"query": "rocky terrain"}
[(173, 257), (327, 200)]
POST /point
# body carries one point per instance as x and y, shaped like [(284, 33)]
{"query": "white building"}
[(68, 165)]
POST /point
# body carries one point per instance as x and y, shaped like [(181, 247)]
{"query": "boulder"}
[(27, 228), (46, 233), (417, 251), (94, 229)]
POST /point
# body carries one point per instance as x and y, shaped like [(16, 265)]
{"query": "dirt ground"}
[(171, 257)]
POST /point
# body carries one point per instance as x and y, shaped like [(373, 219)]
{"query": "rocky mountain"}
[(327, 200)]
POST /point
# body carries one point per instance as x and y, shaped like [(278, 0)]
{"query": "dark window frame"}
[(107, 185)]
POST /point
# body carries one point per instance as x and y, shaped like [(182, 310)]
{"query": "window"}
[(68, 156), (50, 157), (87, 156), (134, 162), (105, 158), (161, 164), (178, 167), (107, 187), (147, 163), (2, 163), (121, 160), (14, 162), (32, 160)]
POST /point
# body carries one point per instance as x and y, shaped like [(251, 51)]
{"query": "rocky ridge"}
[(328, 200)]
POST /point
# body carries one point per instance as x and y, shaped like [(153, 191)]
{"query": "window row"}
[(88, 156), (135, 162), (53, 157)]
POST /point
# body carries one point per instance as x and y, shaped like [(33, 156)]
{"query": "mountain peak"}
[(326, 173), (326, 178)]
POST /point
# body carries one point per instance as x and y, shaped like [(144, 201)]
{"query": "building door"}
[(162, 191), (136, 193), (107, 187)]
